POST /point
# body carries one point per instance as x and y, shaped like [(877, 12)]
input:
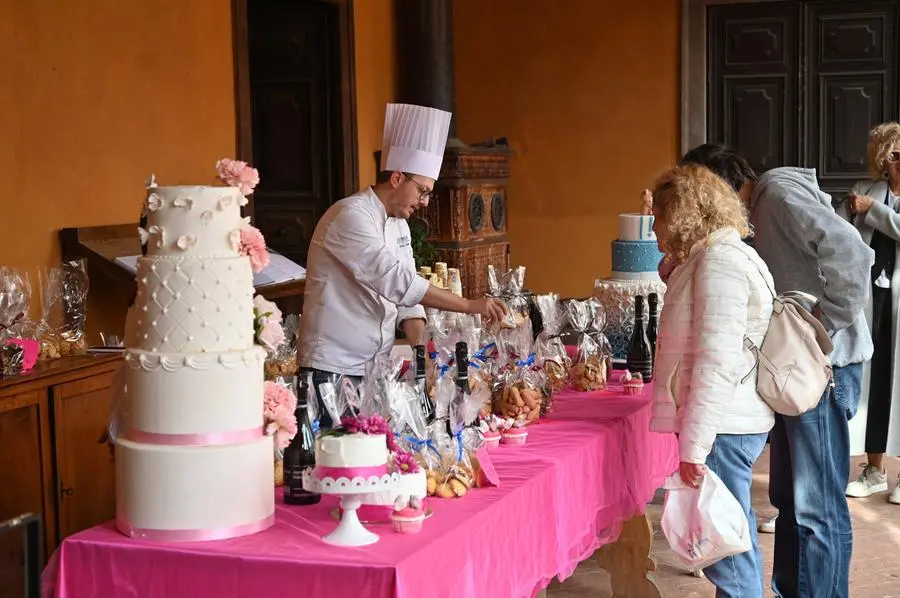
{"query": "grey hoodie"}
[(809, 248)]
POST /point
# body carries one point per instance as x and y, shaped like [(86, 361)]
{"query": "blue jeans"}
[(732, 458), (809, 468)]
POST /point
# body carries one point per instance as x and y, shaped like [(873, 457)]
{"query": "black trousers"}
[(880, 385)]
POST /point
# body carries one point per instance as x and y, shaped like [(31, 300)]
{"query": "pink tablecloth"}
[(583, 471)]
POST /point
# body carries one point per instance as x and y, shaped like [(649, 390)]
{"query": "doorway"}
[(296, 116), (791, 83)]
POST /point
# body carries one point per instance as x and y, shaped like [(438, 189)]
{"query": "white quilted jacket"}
[(701, 383)]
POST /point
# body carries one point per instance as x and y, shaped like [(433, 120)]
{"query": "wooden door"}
[(25, 480), (851, 53), (295, 95), (85, 469), (753, 81)]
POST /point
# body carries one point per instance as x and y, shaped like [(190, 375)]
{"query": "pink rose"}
[(253, 245), (271, 336), (279, 404), (238, 174), (263, 307)]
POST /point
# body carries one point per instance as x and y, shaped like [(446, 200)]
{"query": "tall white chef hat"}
[(414, 139)]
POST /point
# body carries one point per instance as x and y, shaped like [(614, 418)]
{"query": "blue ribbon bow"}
[(419, 444), (459, 446), (526, 363)]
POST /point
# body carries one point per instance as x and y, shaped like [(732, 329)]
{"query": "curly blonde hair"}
[(881, 143), (690, 202)]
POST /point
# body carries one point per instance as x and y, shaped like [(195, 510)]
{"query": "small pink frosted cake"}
[(633, 383), (408, 516), (514, 436), (491, 439)]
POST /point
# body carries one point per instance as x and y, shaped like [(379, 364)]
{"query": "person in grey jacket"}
[(810, 248), (872, 206)]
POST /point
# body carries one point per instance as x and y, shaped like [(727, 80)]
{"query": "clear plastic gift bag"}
[(549, 348), (283, 361), (589, 369), (704, 524), (64, 292)]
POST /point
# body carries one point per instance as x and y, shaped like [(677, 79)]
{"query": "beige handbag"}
[(793, 364)]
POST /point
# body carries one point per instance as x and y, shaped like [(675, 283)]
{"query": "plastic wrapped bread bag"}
[(588, 371), (549, 348)]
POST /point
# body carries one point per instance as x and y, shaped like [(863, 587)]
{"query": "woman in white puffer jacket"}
[(705, 379)]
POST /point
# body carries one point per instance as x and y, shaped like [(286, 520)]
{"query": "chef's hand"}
[(860, 204), (692, 473), (491, 309)]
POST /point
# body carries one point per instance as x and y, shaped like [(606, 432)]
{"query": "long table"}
[(580, 482)]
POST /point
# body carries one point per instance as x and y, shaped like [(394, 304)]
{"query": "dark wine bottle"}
[(640, 358), (301, 453), (462, 366), (425, 402), (652, 323)]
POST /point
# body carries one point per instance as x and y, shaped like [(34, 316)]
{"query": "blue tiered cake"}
[(635, 261), (635, 255)]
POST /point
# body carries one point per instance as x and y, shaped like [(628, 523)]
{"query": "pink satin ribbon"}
[(216, 438), (195, 535), (350, 472)]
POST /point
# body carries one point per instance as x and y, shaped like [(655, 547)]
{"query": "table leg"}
[(628, 560)]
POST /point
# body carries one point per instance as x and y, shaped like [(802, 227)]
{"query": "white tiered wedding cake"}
[(192, 460)]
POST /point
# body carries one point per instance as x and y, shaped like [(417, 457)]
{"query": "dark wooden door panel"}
[(753, 80), (297, 135), (851, 54)]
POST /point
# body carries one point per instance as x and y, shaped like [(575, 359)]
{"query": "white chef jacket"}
[(361, 282)]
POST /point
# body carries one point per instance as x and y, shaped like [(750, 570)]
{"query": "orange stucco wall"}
[(587, 93)]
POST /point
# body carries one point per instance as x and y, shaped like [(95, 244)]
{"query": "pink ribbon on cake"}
[(350, 472), (207, 439), (195, 535)]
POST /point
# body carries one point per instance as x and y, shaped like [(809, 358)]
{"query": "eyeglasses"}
[(425, 194), (894, 156)]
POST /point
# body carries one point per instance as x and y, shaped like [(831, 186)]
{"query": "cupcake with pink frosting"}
[(513, 432), (633, 383), (408, 515), (490, 430)]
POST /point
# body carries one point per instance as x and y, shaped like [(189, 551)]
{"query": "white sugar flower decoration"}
[(246, 220), (183, 202), (243, 201), (154, 202), (160, 233), (235, 238), (144, 235), (206, 217), (186, 241), (224, 202)]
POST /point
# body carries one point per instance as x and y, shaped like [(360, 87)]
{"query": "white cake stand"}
[(350, 531)]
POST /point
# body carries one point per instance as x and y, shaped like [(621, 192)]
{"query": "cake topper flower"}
[(279, 404), (237, 174), (267, 324), (252, 244)]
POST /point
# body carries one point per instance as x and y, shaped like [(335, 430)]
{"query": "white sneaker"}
[(768, 526), (894, 496), (870, 481)]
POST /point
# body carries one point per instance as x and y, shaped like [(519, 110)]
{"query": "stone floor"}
[(875, 570)]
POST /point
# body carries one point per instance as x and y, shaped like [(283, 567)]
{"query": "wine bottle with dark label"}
[(301, 453), (652, 323), (640, 358), (425, 402)]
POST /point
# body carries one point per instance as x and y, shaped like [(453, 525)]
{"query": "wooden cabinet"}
[(53, 465)]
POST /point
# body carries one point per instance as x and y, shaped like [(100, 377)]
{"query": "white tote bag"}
[(704, 524)]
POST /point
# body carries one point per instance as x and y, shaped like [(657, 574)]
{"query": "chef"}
[(361, 281)]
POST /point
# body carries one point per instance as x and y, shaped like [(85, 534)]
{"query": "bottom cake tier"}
[(194, 493)]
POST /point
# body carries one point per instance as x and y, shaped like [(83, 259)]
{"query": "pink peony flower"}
[(405, 463), (279, 404), (253, 245), (238, 174)]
